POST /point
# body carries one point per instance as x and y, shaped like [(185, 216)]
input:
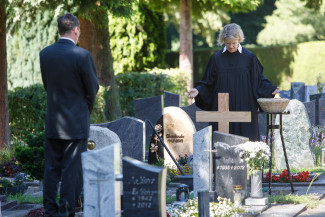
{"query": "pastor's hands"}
[(192, 93), (277, 90)]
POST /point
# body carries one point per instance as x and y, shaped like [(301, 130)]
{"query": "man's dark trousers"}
[(62, 159)]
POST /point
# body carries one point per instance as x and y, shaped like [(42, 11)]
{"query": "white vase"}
[(256, 184)]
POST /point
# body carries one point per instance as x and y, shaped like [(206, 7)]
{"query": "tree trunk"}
[(4, 112), (186, 40), (95, 39)]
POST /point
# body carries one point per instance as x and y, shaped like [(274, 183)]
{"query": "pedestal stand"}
[(270, 128)]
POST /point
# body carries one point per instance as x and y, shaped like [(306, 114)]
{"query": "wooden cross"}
[(223, 116)]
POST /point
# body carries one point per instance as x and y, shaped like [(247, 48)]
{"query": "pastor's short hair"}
[(66, 23), (232, 31)]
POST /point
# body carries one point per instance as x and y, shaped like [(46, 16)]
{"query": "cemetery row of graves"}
[(122, 153)]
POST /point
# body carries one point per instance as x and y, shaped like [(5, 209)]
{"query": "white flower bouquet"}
[(255, 154)]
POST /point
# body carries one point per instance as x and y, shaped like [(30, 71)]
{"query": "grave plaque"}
[(172, 99), (131, 132), (178, 133), (191, 111), (229, 170), (144, 189), (148, 109), (310, 108), (298, 91), (202, 167), (101, 191)]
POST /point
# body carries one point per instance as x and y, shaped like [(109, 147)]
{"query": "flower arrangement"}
[(222, 208), (304, 176), (255, 154)]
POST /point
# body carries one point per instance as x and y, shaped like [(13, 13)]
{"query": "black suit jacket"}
[(70, 80)]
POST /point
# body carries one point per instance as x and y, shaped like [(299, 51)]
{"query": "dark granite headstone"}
[(191, 111), (131, 132), (323, 89), (144, 189), (322, 111), (286, 94), (309, 90), (229, 168), (316, 97), (298, 91), (172, 99), (310, 107), (148, 109), (262, 124)]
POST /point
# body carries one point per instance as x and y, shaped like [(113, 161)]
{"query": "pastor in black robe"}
[(240, 75)]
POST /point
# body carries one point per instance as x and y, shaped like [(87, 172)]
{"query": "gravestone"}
[(298, 91), (321, 111), (131, 132), (323, 89), (229, 169), (191, 111), (148, 109), (286, 94), (178, 133), (202, 167), (144, 189), (102, 137), (316, 98), (101, 191), (310, 108), (262, 124), (297, 138), (172, 99), (310, 90)]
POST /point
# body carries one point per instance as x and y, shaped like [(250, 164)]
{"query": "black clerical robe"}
[(240, 75)]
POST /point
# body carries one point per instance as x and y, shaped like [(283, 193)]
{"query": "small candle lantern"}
[(323, 157), (237, 195), (182, 193)]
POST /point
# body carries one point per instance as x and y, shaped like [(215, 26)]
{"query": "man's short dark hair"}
[(66, 23)]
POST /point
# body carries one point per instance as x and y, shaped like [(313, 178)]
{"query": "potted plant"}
[(255, 154)]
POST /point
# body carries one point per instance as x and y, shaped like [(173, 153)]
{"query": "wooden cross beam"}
[(223, 116)]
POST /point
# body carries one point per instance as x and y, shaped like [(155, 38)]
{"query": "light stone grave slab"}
[(178, 133), (310, 108), (297, 138), (131, 132), (191, 111), (202, 167), (101, 191)]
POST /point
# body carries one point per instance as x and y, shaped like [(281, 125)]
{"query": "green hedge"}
[(282, 64), (147, 84)]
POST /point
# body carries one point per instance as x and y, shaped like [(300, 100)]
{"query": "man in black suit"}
[(70, 80)]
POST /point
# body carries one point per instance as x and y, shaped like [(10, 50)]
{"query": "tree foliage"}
[(292, 23), (139, 42)]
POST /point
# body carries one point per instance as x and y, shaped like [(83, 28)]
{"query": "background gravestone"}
[(310, 108), (131, 132), (144, 189), (297, 138), (178, 133), (191, 111), (316, 97), (229, 170), (322, 111), (102, 137), (285, 94), (101, 191), (148, 109), (298, 91), (310, 89), (202, 141), (172, 99), (323, 89), (262, 124)]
